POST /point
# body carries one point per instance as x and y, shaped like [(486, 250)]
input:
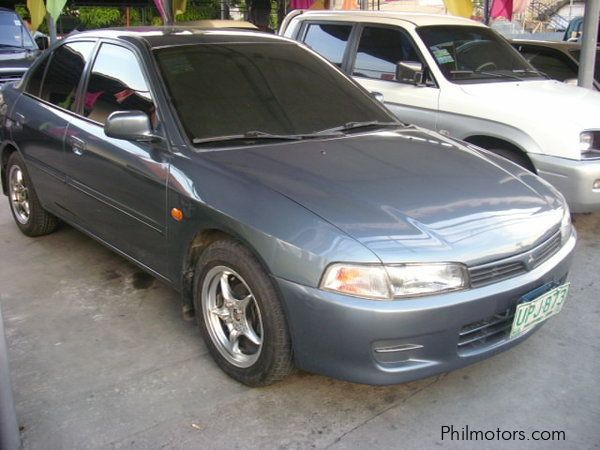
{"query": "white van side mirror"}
[(410, 72)]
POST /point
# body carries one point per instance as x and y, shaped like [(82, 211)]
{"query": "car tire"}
[(515, 156), (28, 213), (240, 315)]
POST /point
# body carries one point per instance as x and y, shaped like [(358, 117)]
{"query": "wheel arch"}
[(7, 150), (199, 242), (491, 143)]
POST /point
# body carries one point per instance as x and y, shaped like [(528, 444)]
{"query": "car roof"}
[(416, 19), (166, 36)]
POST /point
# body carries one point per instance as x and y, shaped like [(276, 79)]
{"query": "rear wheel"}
[(240, 315), (31, 218)]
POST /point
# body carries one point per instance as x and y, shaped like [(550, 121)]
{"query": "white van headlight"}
[(589, 144)]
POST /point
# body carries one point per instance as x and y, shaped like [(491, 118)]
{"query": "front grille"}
[(511, 267), (480, 276), (546, 250), (485, 333), (8, 79)]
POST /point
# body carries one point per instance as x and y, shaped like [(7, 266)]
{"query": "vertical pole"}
[(168, 6), (9, 427), (588, 48), (223, 10), (51, 28), (486, 12)]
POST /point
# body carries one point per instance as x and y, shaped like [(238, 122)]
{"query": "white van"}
[(462, 79)]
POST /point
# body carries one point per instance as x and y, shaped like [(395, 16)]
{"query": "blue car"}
[(302, 223)]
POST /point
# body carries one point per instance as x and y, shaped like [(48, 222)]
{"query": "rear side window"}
[(328, 40), (379, 50), (116, 84), (64, 73), (34, 81)]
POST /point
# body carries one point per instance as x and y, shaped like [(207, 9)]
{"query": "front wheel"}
[(31, 218), (240, 315)]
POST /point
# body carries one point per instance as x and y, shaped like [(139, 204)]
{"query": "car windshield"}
[(467, 54), (12, 32), (235, 90), (577, 53)]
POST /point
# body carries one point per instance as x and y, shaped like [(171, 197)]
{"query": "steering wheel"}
[(486, 66)]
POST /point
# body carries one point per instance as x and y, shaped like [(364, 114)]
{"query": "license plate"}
[(539, 309)]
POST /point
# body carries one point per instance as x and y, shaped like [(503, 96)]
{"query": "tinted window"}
[(328, 40), (116, 84), (468, 53), (379, 50), (34, 82), (230, 89), (552, 62), (64, 73)]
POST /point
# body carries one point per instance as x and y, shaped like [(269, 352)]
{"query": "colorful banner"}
[(55, 7), (37, 11), (502, 8), (520, 6), (462, 8)]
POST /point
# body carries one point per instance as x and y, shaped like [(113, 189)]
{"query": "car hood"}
[(546, 100), (408, 195)]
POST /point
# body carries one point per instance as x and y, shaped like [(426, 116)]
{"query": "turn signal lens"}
[(359, 281), (177, 214)]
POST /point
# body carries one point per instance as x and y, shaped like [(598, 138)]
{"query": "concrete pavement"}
[(100, 358)]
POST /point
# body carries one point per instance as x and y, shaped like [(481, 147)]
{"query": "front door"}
[(379, 49), (118, 187)]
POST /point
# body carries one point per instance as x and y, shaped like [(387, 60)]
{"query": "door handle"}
[(19, 120), (77, 144)]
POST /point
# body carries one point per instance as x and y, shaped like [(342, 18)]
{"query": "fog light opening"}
[(596, 185)]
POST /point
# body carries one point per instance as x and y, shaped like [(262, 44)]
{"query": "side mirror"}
[(130, 126), (410, 72), (43, 42)]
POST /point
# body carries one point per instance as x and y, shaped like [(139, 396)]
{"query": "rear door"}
[(118, 187), (41, 116)]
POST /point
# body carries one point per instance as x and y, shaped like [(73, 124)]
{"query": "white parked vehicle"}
[(460, 78)]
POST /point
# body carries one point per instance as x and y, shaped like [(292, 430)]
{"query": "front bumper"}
[(574, 179), (390, 342)]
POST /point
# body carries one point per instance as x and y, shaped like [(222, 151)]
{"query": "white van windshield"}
[(467, 54)]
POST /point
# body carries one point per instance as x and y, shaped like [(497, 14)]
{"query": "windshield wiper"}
[(486, 73), (255, 135), (534, 71), (349, 126)]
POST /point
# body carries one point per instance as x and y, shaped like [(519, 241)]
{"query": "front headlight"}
[(394, 280), (565, 224), (589, 144)]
